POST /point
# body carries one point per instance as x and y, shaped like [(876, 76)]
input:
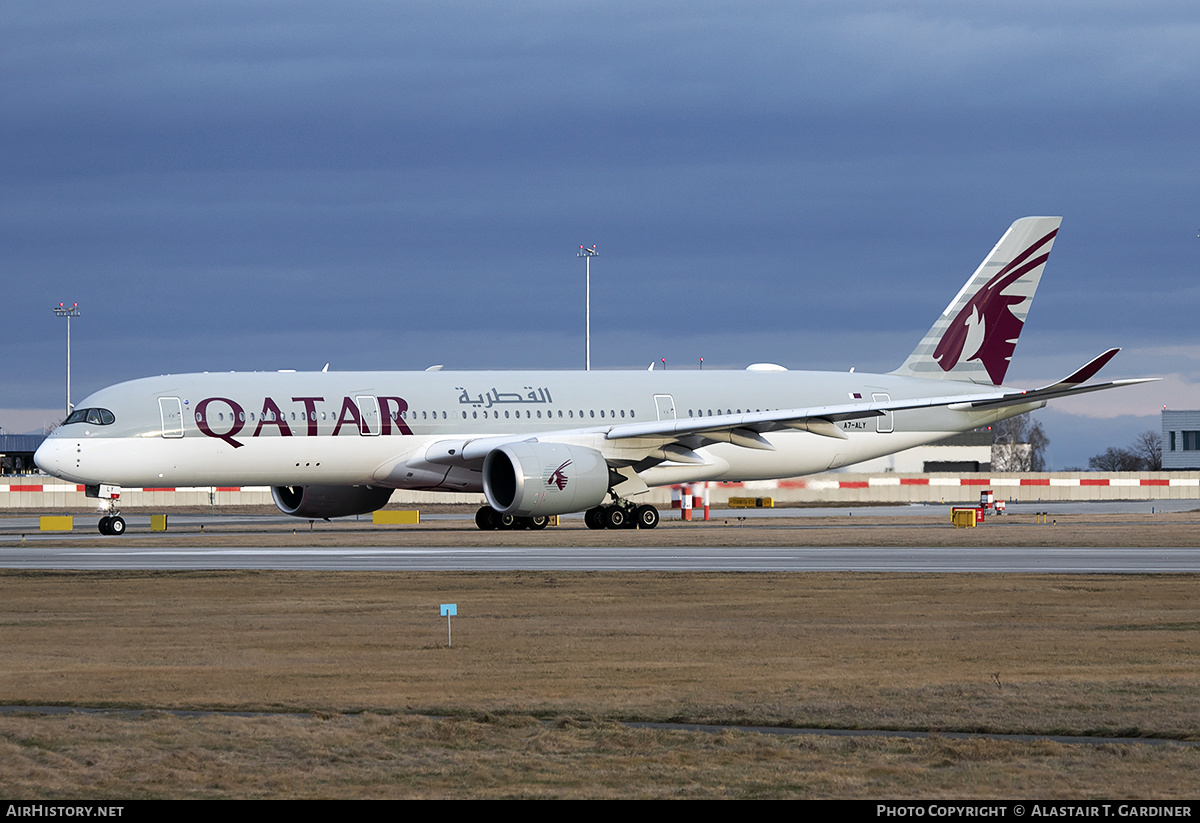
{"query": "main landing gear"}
[(488, 519), (621, 515)]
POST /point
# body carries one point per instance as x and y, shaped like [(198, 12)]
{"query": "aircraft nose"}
[(48, 456)]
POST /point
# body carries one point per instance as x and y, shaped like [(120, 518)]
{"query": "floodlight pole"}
[(63, 310), (587, 254)]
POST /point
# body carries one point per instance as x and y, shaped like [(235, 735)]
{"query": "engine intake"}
[(329, 501), (544, 478)]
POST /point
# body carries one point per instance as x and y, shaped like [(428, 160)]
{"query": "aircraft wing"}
[(743, 429), (747, 429), (820, 420)]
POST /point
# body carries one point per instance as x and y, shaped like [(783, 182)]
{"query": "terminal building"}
[(16, 452)]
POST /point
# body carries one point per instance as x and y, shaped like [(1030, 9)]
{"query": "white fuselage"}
[(376, 428)]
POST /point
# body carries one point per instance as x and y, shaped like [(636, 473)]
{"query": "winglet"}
[(1086, 372), (1068, 386)]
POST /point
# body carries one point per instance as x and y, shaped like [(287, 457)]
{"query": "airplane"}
[(543, 443)]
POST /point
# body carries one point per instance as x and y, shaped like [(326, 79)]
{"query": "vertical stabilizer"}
[(974, 337)]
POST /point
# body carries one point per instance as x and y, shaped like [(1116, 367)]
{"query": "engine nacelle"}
[(544, 478), (329, 501)]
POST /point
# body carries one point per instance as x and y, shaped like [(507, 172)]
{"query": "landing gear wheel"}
[(486, 519), (646, 517), (508, 521), (112, 524), (615, 517), (594, 518), (538, 522)]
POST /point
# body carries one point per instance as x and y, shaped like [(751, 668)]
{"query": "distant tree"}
[(1144, 455), (1019, 445), (1038, 444), (1114, 459), (1148, 445)]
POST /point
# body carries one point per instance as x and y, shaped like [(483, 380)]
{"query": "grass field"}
[(1044, 654)]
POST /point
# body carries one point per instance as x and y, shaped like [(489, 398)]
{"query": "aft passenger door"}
[(883, 423)]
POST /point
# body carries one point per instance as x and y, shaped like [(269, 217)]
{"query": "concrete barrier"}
[(845, 488)]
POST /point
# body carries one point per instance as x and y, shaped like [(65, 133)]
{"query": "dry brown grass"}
[(379, 756), (1006, 653), (1078, 654)]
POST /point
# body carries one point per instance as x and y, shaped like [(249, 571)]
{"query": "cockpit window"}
[(97, 417)]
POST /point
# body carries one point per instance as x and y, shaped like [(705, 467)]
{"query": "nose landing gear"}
[(112, 524)]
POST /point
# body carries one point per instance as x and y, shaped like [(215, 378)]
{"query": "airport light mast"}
[(63, 310), (587, 254)]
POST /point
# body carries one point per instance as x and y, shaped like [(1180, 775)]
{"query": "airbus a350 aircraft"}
[(540, 443)]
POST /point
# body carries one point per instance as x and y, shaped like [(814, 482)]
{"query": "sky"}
[(391, 185)]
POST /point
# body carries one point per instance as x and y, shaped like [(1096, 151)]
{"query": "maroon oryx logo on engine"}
[(986, 328), (557, 478)]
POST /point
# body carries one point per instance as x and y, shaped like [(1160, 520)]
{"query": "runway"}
[(144, 555), (1116, 538)]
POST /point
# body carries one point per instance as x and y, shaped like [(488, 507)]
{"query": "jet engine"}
[(329, 501), (528, 479)]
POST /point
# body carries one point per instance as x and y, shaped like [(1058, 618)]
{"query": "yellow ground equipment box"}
[(396, 518), (963, 518), (58, 523), (752, 502)]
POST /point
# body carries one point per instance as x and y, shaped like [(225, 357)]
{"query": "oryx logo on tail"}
[(987, 327)]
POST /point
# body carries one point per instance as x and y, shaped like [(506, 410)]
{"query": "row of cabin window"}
[(270, 416), (701, 412), (570, 414), (412, 415)]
